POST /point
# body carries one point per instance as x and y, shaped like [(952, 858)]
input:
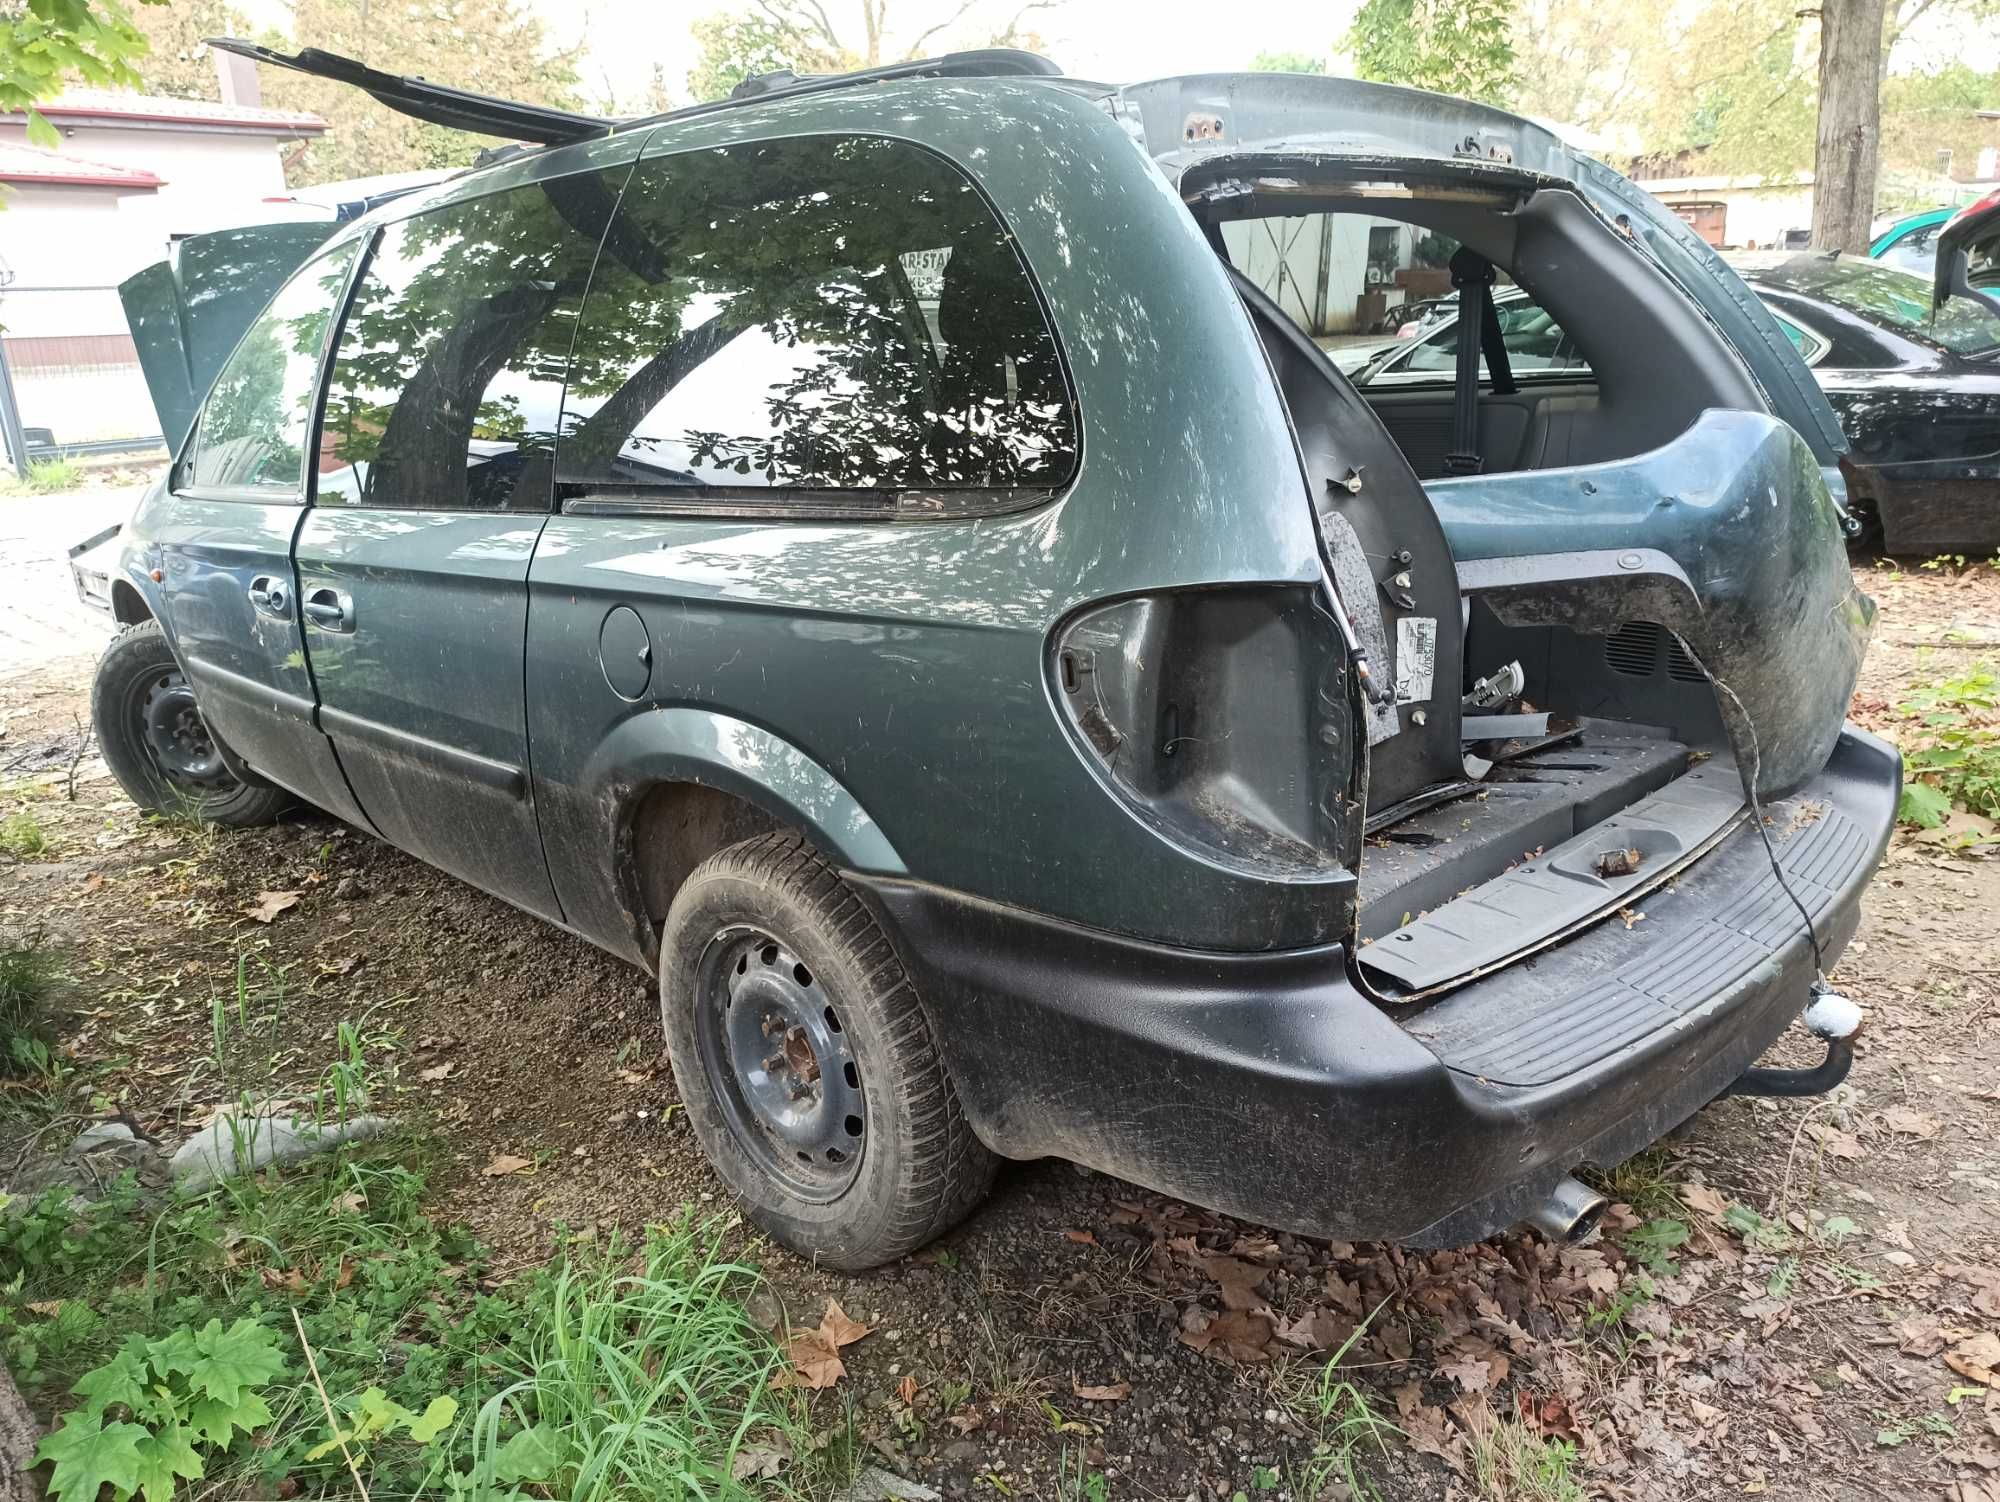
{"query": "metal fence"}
[(75, 378)]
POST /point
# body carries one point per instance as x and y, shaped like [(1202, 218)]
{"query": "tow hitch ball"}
[(1829, 1015)]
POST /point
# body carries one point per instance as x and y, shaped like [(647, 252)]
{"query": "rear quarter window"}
[(252, 435), (841, 316)]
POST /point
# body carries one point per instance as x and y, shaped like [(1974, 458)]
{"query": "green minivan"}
[(894, 554)]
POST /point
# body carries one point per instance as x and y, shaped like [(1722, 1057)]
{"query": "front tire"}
[(806, 1063), (156, 743)]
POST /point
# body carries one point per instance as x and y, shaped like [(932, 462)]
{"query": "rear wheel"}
[(806, 1063), (156, 742)]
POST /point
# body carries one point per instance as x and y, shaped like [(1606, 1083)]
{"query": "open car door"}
[(1968, 255)]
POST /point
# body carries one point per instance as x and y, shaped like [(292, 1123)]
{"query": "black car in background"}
[(1917, 390)]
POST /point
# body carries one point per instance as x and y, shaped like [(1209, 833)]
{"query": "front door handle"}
[(330, 609), (271, 596)]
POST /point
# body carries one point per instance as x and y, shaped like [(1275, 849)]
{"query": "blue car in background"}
[(1911, 242)]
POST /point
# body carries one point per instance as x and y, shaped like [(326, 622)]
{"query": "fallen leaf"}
[(504, 1164), (765, 1458), (1470, 1374), (1110, 1392), (47, 1308), (839, 1330), (1238, 1280), (815, 1354), (1908, 1123), (906, 1390), (270, 904), (433, 1075), (1977, 1357), (290, 1282), (1081, 1238), (1704, 1200)]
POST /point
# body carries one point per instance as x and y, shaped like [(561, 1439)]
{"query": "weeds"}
[(46, 477), (22, 836), (30, 972), (1510, 1463), (596, 1378), (1953, 758), (1345, 1425)]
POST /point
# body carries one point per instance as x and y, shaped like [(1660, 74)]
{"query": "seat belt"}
[(1478, 332)]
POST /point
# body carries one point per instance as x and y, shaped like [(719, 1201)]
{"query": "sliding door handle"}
[(330, 609), (271, 596)]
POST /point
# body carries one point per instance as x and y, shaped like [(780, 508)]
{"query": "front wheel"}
[(806, 1063), (156, 742)]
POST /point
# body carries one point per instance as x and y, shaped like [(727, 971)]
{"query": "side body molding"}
[(591, 816)]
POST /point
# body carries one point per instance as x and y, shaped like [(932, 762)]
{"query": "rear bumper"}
[(93, 564), (1267, 1087)]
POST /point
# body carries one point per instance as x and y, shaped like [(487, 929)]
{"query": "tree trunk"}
[(1850, 123), (19, 1434)]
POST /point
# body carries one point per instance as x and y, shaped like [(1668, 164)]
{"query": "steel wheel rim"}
[(781, 1063), (176, 738)]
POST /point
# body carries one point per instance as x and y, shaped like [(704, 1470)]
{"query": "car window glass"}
[(1916, 251), (252, 432), (448, 377), (1534, 342), (832, 313), (1376, 295), (1892, 298)]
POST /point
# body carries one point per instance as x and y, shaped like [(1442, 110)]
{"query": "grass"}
[(615, 1372), (1951, 755), (612, 1374), (22, 835), (1345, 1425), (30, 973), (45, 477), (1511, 1463)]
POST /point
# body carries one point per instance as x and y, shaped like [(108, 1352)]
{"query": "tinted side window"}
[(833, 313), (251, 436), (449, 373)]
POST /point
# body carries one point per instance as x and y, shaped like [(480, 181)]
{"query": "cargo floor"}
[(1524, 808)]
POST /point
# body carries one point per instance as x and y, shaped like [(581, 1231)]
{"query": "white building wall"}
[(60, 240)]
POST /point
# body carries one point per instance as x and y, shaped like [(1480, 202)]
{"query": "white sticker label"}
[(1416, 658)]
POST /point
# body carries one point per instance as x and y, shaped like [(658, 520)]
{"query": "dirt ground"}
[(1794, 1299)]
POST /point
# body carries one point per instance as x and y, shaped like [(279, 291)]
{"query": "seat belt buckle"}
[(1463, 464)]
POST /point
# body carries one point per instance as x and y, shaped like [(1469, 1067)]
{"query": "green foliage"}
[(46, 43), (1461, 47), (45, 477), (1341, 1416), (1952, 757), (1653, 1244), (22, 835), (739, 45), (630, 1384), (1287, 62), (496, 47), (146, 1409), (30, 972), (170, 1330)]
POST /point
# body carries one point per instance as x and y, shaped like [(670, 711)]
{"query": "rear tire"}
[(156, 744), (806, 1063)]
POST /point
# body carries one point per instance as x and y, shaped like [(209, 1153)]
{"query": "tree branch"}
[(916, 47)]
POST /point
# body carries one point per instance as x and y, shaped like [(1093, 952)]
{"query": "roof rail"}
[(980, 62)]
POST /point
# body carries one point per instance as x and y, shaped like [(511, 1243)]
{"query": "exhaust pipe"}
[(1570, 1213)]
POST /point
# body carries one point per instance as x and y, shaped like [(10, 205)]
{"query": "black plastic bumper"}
[(1268, 1087)]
